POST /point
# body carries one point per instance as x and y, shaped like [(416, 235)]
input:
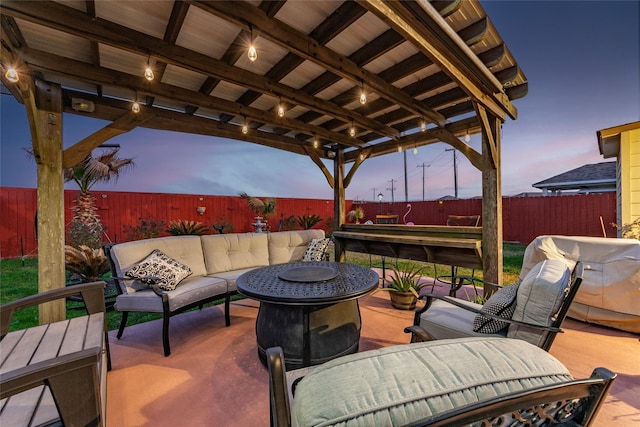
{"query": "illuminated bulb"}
[(352, 131), (399, 149), (148, 73), (423, 126), (415, 150), (315, 143), (280, 110), (252, 53), (135, 107), (12, 75), (467, 137), (245, 129), (363, 98)]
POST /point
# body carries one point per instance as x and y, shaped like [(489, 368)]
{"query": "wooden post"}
[(339, 204), (492, 201), (46, 120)]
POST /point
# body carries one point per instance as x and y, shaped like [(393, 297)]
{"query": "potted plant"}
[(356, 215), (404, 286)]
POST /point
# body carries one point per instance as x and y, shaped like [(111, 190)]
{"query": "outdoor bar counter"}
[(449, 245)]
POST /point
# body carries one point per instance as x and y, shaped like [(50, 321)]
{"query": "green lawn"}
[(19, 278)]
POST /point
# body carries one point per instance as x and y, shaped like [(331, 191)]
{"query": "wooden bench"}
[(55, 371)]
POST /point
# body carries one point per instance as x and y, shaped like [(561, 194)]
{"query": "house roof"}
[(416, 61), (609, 139), (588, 177)]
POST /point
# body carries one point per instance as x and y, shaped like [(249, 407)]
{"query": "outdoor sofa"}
[(170, 275)]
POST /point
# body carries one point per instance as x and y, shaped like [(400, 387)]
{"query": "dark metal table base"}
[(310, 334)]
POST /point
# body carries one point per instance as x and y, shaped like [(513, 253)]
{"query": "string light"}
[(252, 53), (467, 137), (352, 131), (315, 142), (415, 150), (148, 72), (245, 127), (399, 149), (280, 109), (135, 107), (423, 125), (363, 95), (12, 75)]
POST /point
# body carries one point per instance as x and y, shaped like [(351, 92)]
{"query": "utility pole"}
[(406, 185), (455, 171), (392, 188), (423, 165), (374, 194)]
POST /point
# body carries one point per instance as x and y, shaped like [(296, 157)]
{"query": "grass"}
[(19, 278)]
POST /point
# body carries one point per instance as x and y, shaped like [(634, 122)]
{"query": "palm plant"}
[(405, 279), (88, 263), (306, 221), (183, 227), (264, 208)]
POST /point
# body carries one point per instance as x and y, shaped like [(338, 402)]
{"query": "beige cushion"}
[(227, 252), (289, 246)]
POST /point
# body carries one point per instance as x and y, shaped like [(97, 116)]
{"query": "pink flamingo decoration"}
[(404, 218)]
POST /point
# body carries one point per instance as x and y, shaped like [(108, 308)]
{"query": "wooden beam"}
[(313, 153), (72, 21), (44, 61), (401, 19), (44, 111), (487, 130), (364, 154), (79, 151), (492, 205), (339, 205), (306, 47)]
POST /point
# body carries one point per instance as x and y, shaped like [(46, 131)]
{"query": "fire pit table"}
[(310, 309)]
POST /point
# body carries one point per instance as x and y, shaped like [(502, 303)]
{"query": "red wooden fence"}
[(524, 218)]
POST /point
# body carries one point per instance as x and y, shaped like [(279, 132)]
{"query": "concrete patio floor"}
[(213, 376)]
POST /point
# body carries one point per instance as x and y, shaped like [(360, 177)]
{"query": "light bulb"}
[(12, 75), (148, 73), (245, 129), (280, 110), (423, 126), (363, 98), (415, 150), (252, 53), (399, 149), (315, 143), (467, 137), (352, 131), (135, 107)]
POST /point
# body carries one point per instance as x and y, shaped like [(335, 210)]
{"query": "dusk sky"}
[(582, 62)]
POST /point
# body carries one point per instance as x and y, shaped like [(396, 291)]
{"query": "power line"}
[(455, 171), (392, 189), (423, 166)]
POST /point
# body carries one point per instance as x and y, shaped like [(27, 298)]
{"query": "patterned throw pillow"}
[(157, 264), (316, 249), (503, 304)]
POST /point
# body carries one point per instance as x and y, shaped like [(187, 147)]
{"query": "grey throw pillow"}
[(503, 304), (157, 264)]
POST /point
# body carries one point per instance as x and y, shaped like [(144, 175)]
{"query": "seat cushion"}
[(406, 384), (540, 296), (228, 252), (443, 321), (316, 250), (290, 246)]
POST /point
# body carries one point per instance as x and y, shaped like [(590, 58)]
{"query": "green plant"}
[(265, 208), (631, 230), (146, 228), (306, 221), (405, 279), (88, 263), (184, 227), (289, 223), (356, 214)]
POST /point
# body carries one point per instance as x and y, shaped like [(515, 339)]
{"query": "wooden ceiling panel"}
[(314, 14), (121, 60), (54, 41), (182, 77), (147, 17), (368, 27), (208, 34)]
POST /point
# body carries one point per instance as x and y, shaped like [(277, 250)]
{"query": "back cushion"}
[(226, 252), (185, 249), (540, 296), (288, 246)]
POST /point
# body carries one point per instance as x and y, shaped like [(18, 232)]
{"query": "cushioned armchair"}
[(532, 309), (485, 381)]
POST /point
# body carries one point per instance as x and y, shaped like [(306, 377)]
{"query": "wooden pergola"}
[(431, 71)]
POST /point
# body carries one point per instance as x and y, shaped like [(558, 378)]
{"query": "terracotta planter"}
[(403, 300)]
